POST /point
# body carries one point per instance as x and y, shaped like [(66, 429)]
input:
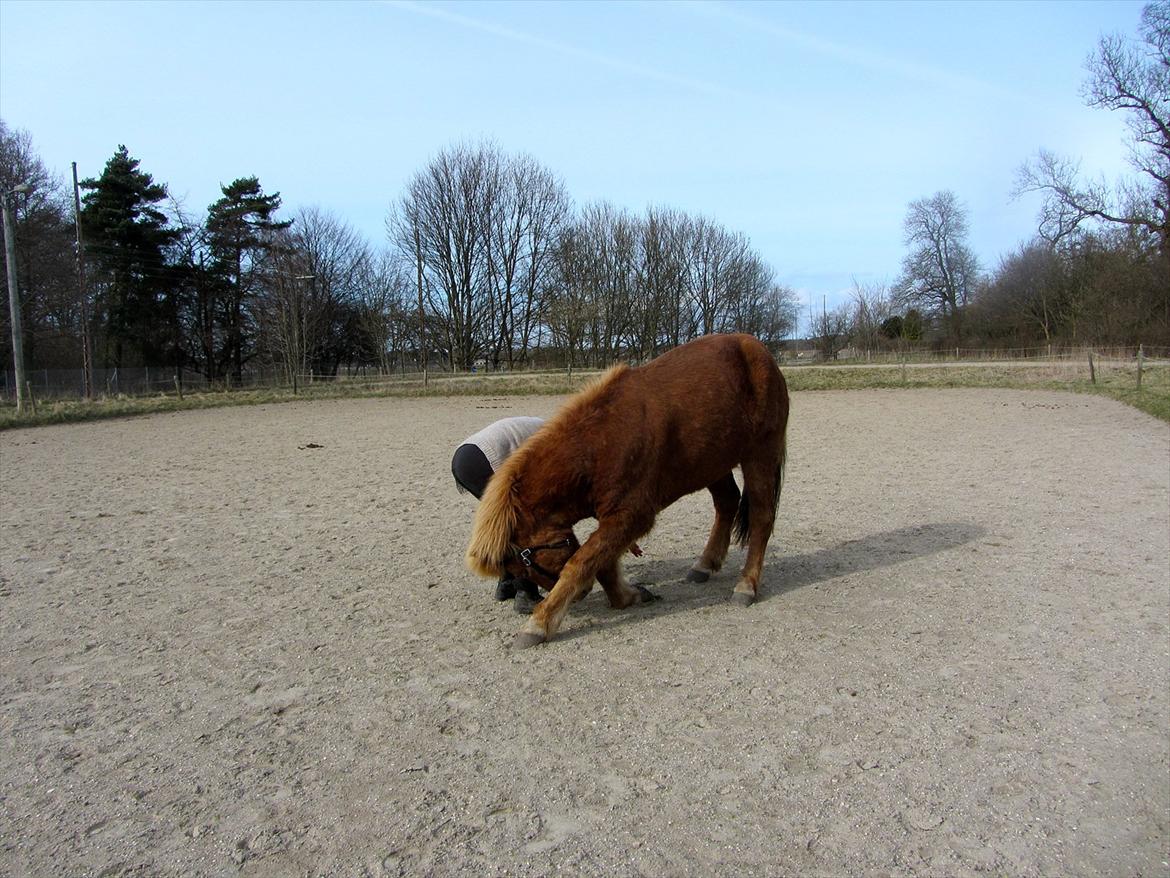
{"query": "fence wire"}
[(58, 384)]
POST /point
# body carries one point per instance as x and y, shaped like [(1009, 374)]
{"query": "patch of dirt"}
[(224, 654)]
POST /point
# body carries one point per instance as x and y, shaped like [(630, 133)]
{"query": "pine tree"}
[(127, 237), (240, 231)]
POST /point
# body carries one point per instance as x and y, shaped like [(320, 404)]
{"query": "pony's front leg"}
[(573, 583), (597, 558)]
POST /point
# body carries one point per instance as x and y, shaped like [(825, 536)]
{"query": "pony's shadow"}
[(782, 573)]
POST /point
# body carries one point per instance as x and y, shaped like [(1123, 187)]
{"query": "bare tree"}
[(660, 283), (1134, 79), (570, 302), (757, 304), (312, 302), (388, 317), (548, 206), (716, 265), (598, 274), (481, 226), (643, 283), (1028, 291), (940, 271), (611, 235), (524, 210), (285, 318), (831, 329), (441, 218), (872, 305), (47, 280), (1106, 287), (199, 338)]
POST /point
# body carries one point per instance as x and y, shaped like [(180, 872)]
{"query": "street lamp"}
[(13, 293), (298, 349)]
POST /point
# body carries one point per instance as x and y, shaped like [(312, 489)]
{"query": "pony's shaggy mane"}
[(587, 394), (495, 519)]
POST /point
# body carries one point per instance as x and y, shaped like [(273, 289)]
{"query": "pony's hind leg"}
[(761, 483), (725, 493)]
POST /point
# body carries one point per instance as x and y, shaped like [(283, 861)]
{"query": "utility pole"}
[(83, 294), (14, 294)]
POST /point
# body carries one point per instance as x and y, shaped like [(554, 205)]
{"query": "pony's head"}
[(506, 539)]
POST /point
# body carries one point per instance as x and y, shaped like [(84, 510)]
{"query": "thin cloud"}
[(557, 47), (851, 55)]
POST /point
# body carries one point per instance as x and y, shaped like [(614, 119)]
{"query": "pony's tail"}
[(743, 519)]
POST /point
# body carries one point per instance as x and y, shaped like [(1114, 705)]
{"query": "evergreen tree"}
[(127, 238), (239, 236)]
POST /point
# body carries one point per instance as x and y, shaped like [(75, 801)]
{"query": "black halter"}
[(528, 561)]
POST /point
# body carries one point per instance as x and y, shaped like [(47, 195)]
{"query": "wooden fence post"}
[(1141, 356), (1092, 369)]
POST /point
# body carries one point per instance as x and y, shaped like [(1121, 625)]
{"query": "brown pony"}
[(622, 450)]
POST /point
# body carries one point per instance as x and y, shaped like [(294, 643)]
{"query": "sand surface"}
[(227, 653)]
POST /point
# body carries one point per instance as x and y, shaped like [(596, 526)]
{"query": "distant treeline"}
[(488, 263), (1096, 274)]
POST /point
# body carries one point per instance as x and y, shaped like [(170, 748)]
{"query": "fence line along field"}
[(1129, 375), (243, 641), (1046, 362)]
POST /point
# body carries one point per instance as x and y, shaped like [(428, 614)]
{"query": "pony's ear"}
[(491, 536)]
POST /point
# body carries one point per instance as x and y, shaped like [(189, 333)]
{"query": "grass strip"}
[(1118, 383)]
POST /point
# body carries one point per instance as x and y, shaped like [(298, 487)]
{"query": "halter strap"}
[(528, 561)]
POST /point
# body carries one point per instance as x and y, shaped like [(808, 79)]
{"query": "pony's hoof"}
[(697, 575), (645, 596), (743, 598), (526, 639)]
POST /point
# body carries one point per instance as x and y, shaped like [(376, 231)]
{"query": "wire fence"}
[(1047, 353), (46, 384), (59, 384)]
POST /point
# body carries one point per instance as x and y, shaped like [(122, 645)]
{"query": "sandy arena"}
[(228, 652)]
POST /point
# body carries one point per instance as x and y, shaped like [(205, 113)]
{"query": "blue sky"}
[(807, 126)]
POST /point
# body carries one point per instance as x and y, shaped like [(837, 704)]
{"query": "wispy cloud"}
[(850, 55), (565, 49)]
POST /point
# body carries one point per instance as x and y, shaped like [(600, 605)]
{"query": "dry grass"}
[(1116, 380)]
